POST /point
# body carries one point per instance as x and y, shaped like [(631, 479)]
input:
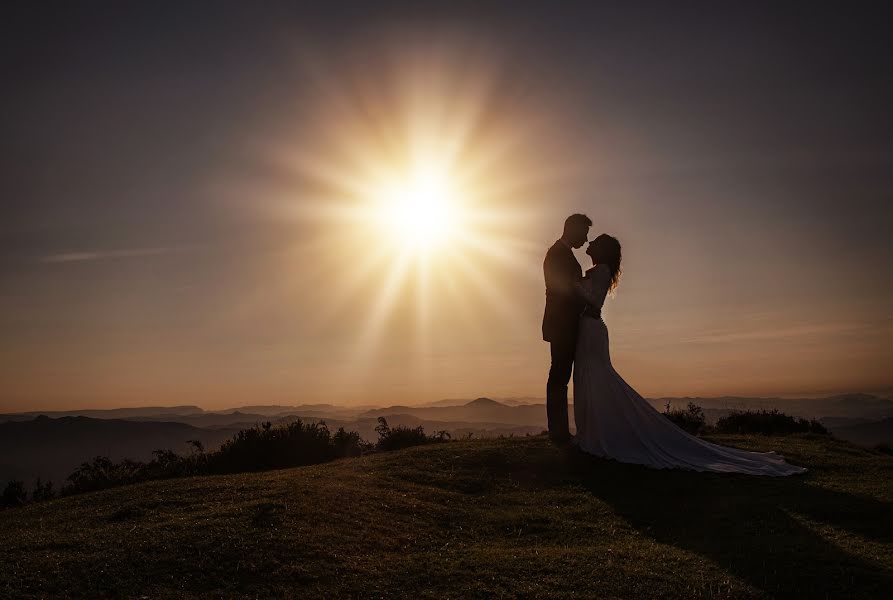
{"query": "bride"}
[(614, 421)]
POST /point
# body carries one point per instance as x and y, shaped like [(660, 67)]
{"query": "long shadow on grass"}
[(750, 526)]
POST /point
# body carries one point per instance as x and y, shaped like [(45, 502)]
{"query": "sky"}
[(193, 213)]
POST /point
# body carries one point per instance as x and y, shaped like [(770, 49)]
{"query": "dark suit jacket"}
[(563, 306)]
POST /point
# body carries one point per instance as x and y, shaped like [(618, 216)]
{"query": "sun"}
[(420, 209), (413, 190)]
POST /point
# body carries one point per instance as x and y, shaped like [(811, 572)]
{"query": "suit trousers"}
[(563, 351)]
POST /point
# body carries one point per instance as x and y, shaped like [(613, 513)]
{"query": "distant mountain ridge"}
[(512, 401), (106, 413), (478, 410), (163, 413), (855, 405)]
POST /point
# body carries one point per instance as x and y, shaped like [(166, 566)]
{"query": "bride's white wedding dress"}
[(614, 421)]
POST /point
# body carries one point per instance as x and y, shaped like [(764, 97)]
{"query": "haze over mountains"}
[(51, 444)]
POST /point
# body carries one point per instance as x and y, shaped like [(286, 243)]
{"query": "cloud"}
[(69, 257)]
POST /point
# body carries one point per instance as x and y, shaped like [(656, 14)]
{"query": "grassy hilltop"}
[(503, 517)]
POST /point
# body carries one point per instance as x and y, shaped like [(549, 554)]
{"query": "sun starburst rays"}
[(422, 192)]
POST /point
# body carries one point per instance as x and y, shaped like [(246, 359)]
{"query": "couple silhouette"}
[(612, 419)]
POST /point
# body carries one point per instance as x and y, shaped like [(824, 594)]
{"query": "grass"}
[(496, 518)]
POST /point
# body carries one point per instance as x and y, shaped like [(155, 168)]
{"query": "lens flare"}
[(415, 186)]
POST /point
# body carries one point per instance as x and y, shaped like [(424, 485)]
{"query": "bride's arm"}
[(594, 294), (583, 291)]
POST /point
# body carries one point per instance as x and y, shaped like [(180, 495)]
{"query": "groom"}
[(561, 319)]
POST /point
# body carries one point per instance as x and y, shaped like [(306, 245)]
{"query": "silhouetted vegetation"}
[(691, 420), (14, 494), (102, 473), (767, 422), (764, 422), (403, 437), (258, 448), (43, 491), (884, 448), (348, 443), (292, 445)]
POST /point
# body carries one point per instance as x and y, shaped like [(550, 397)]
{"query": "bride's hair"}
[(607, 251)]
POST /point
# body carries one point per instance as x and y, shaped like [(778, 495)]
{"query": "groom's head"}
[(576, 230)]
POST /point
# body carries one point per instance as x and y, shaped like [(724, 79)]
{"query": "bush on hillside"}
[(402, 436), (103, 473), (256, 449), (292, 445), (14, 494), (767, 422), (167, 463), (691, 420), (43, 491), (348, 443), (884, 448)]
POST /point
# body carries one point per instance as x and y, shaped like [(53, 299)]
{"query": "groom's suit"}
[(560, 324)]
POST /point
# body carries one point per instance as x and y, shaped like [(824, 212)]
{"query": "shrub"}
[(43, 491), (402, 436), (167, 463), (348, 443), (256, 449), (102, 473), (884, 448), (691, 420), (292, 445), (268, 447), (14, 494), (767, 422)]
